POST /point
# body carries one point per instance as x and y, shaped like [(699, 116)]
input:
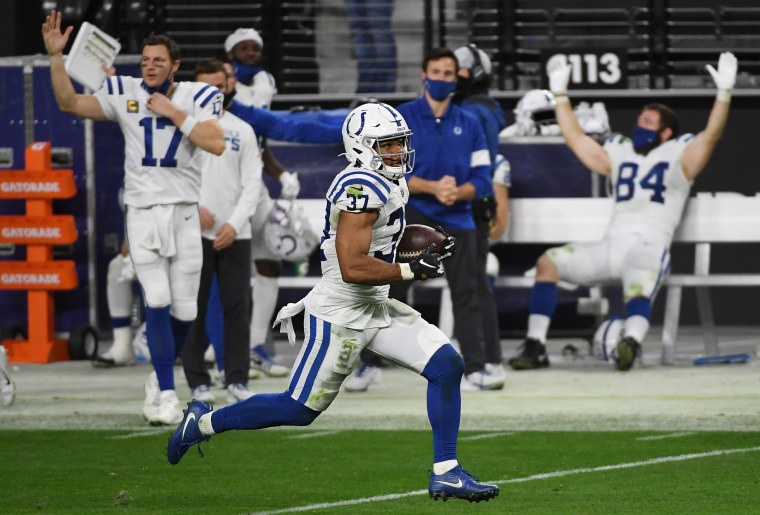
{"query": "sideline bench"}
[(709, 218)]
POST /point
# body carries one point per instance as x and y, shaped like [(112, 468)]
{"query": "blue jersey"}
[(491, 117), (450, 145), (285, 128)]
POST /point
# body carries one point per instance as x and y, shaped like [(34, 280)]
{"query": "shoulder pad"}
[(204, 93), (358, 190)]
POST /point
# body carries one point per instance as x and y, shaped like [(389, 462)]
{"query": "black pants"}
[(491, 335), (232, 267), (465, 273)]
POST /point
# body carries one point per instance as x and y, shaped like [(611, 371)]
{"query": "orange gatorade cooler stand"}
[(38, 184)]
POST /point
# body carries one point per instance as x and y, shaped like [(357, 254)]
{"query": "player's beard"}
[(228, 98)]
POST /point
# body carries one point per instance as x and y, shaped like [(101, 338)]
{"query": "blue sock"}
[(263, 410), (543, 299), (641, 306), (444, 401), (158, 328), (215, 323), (180, 328)]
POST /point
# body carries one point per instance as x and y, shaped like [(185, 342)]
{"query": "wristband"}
[(724, 95), (406, 272), (561, 99), (188, 125)]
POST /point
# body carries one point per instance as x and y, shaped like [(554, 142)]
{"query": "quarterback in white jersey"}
[(651, 174), (350, 310), (165, 126)]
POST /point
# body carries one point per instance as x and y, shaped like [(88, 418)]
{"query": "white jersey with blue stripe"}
[(358, 306), (161, 165), (650, 191)]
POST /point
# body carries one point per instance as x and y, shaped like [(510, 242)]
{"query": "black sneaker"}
[(628, 349), (532, 355)]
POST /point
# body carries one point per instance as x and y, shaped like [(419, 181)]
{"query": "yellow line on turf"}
[(547, 475)]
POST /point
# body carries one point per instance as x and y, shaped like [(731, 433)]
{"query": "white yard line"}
[(485, 435), (664, 437), (548, 475), (138, 434), (315, 434)]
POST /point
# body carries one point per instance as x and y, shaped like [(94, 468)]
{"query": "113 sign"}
[(591, 69)]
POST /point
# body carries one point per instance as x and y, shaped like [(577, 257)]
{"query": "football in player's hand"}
[(416, 240)]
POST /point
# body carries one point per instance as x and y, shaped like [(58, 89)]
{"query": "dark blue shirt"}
[(488, 111), (450, 145)]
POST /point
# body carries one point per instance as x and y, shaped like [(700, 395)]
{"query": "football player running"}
[(349, 309), (651, 174), (166, 126)]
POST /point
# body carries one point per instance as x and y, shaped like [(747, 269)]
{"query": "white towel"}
[(285, 319)]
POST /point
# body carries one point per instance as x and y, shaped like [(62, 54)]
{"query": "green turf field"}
[(284, 471)]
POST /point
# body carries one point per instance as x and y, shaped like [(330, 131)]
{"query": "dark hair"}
[(668, 117), (208, 66), (169, 43), (439, 53)]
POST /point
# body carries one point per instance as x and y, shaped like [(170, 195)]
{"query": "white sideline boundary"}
[(535, 477)]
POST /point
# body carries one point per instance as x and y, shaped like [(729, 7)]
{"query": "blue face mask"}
[(438, 89), (643, 138), (163, 88), (244, 73)]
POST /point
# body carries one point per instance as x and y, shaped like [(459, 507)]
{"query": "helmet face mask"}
[(288, 233), (365, 131)]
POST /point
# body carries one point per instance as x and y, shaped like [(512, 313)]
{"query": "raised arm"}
[(285, 128), (588, 151), (697, 153), (68, 100)]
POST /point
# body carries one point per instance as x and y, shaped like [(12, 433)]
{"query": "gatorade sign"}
[(51, 230)]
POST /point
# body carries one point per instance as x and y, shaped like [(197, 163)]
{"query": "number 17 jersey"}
[(161, 165), (650, 191)]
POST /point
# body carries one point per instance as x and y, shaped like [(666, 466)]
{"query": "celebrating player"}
[(349, 309), (166, 126), (651, 174)]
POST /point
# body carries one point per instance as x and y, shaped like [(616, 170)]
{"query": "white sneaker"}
[(361, 378), (121, 353), (203, 393), (482, 380), (7, 386), (496, 370), (152, 397), (169, 412), (261, 360), (238, 392)]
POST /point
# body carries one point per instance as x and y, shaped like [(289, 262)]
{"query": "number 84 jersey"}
[(650, 191), (161, 165)]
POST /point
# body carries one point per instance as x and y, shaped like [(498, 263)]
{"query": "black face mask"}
[(228, 98)]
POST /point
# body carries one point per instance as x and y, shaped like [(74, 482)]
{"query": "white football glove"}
[(725, 75), (291, 186), (558, 70)]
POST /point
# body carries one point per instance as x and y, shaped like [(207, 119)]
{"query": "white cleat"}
[(361, 378), (481, 380), (261, 360), (238, 392), (152, 397), (496, 370), (168, 412), (203, 393)]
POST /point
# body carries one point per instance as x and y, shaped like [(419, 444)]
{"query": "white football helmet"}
[(288, 232), (534, 114), (369, 124), (606, 338)]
